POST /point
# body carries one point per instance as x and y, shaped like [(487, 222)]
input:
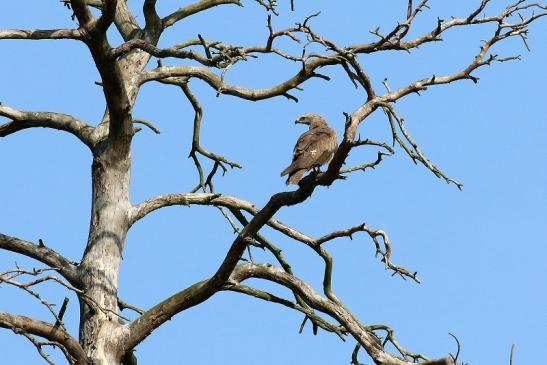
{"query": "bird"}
[(313, 148)]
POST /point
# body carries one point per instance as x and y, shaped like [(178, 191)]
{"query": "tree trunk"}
[(99, 323)]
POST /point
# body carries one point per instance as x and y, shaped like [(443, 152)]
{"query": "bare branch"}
[(393, 40), (82, 12), (415, 153), (455, 357), (197, 7), (126, 23), (234, 204), (46, 330), (196, 146), (365, 166), (44, 255), (269, 5), (201, 291), (148, 124), (8, 276), (22, 120), (355, 353), (329, 327), (36, 344), (123, 19), (390, 338), (39, 34), (216, 82), (140, 328), (157, 52), (97, 4), (361, 333), (108, 11), (123, 305), (8, 279), (276, 252), (346, 56)]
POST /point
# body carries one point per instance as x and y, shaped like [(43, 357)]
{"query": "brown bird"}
[(313, 148)]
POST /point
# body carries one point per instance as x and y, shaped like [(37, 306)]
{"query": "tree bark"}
[(99, 323)]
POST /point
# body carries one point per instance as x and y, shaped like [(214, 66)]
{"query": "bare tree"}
[(105, 337)]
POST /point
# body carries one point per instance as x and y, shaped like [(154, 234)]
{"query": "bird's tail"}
[(295, 177), (287, 170)]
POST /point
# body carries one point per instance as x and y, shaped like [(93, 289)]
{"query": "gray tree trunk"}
[(101, 260)]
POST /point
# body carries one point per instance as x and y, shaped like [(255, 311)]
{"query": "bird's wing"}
[(308, 142), (309, 149)]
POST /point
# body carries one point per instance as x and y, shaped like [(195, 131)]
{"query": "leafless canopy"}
[(105, 336)]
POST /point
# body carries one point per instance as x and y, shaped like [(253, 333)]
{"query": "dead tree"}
[(104, 338)]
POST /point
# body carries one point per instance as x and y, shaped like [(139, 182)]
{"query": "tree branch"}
[(191, 9), (329, 327), (108, 15), (125, 21), (9, 276), (82, 12), (157, 52), (38, 345), (43, 254), (415, 153), (201, 291), (22, 120), (345, 55), (151, 17), (21, 324), (361, 333), (217, 83), (38, 34), (141, 327), (196, 145), (139, 211)]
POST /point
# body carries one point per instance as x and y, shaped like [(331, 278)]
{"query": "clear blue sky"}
[(480, 253)]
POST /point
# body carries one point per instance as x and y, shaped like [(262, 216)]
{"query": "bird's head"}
[(311, 119)]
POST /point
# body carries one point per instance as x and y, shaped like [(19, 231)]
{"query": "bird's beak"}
[(297, 121), (300, 121)]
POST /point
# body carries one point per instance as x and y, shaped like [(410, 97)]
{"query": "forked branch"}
[(360, 332)]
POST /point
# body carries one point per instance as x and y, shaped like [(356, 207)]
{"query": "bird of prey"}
[(313, 148)]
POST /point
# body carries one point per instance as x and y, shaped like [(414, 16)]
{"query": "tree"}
[(104, 335)]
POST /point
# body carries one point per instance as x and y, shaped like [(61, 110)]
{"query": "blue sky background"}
[(480, 252)]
